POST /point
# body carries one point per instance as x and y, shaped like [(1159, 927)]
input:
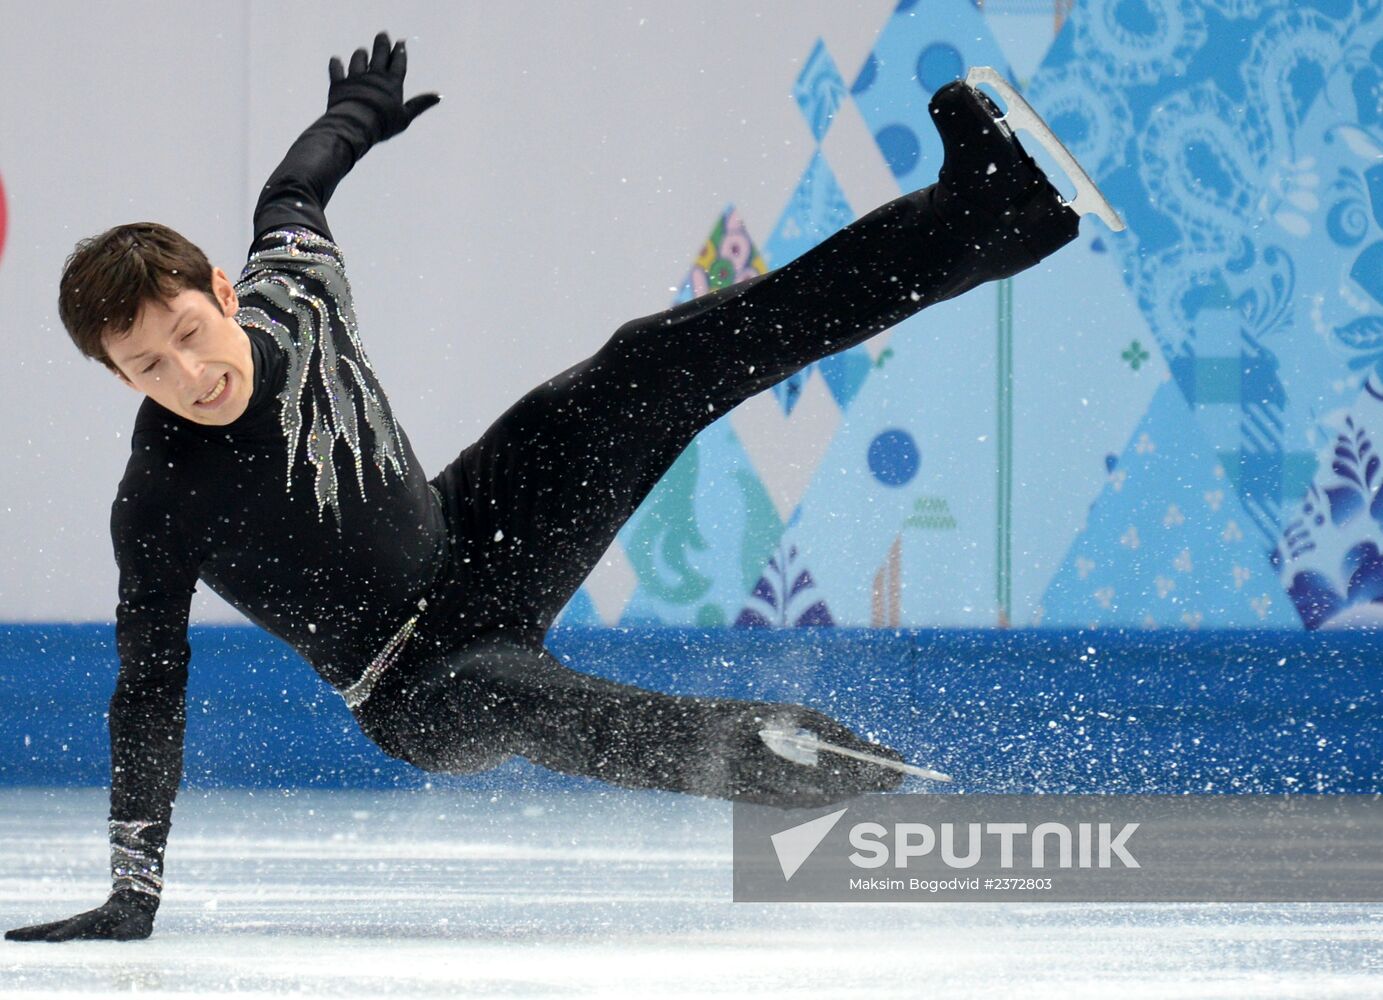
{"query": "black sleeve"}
[(148, 711), (297, 192)]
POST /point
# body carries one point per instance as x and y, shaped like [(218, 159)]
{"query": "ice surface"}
[(516, 894)]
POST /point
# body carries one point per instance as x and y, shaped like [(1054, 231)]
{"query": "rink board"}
[(1022, 711)]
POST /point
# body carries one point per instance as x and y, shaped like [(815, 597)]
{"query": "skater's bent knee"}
[(442, 756)]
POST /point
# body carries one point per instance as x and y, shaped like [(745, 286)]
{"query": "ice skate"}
[(802, 746), (987, 167)]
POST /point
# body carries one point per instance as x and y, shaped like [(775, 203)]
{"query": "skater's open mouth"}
[(217, 394)]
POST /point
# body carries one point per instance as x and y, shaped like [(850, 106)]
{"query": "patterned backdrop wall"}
[(1175, 426)]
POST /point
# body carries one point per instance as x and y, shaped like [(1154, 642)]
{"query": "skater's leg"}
[(495, 697), (547, 487)]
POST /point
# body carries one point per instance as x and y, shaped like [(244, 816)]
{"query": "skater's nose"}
[(189, 368)]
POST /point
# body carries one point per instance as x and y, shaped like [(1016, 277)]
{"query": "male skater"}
[(266, 462)]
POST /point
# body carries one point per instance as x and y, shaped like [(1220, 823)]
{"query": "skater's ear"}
[(223, 293)]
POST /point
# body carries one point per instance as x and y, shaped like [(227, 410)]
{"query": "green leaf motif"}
[(667, 532)]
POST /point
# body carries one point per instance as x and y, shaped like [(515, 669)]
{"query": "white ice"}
[(527, 894)]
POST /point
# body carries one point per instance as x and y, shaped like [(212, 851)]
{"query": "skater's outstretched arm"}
[(365, 105), (158, 564)]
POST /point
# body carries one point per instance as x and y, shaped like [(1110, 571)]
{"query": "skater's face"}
[(189, 355)]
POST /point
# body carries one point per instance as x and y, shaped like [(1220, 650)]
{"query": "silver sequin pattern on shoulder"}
[(327, 389)]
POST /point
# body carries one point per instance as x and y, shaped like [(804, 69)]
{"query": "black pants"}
[(536, 501)]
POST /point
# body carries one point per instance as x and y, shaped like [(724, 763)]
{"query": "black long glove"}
[(372, 93), (127, 915), (364, 107)]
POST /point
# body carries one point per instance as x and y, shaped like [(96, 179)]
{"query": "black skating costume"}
[(426, 601)]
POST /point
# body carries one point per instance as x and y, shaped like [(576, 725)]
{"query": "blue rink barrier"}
[(1016, 711)]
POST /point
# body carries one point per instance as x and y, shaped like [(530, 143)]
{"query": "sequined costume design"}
[(266, 510), (330, 389)]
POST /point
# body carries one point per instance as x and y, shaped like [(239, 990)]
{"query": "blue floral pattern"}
[(1328, 557), (1139, 43), (782, 598)]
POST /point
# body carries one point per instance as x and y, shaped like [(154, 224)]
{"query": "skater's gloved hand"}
[(126, 916), (371, 94)]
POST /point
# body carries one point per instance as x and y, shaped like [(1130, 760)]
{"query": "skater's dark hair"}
[(109, 278)]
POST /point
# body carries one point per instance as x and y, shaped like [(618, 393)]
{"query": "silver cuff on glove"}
[(134, 862)]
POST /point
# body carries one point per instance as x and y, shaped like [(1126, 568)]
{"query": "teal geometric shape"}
[(1286, 477), (845, 373), (1298, 471), (1217, 380), (816, 210), (790, 389), (1167, 543), (919, 49), (819, 90), (849, 519)]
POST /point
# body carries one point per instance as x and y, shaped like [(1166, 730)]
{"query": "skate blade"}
[(803, 749), (1019, 114)]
